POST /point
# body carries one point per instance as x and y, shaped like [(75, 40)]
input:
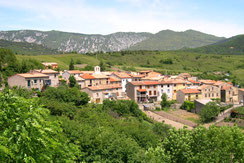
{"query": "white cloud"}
[(79, 16)]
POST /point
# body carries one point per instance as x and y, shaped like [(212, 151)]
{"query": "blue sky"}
[(218, 17)]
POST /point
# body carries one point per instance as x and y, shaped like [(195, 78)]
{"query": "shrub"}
[(209, 112)]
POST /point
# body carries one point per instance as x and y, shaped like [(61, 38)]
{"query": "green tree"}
[(102, 66), (209, 112), (71, 64), (26, 134), (72, 81)]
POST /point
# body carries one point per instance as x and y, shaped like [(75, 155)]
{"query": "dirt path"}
[(159, 118), (176, 119)]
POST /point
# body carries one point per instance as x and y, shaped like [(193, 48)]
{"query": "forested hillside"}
[(234, 45), (26, 48)]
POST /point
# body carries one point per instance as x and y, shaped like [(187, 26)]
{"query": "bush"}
[(188, 105), (209, 112)]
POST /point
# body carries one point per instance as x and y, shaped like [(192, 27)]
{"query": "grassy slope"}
[(63, 60), (182, 61), (26, 48), (234, 45)]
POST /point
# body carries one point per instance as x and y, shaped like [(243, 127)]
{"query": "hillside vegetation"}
[(171, 40), (26, 48), (234, 45), (83, 43)]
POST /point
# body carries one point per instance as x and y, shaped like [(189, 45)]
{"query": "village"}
[(144, 87)]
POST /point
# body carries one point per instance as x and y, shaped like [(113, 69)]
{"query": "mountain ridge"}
[(83, 43)]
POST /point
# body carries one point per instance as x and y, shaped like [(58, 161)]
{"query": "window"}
[(209, 95), (196, 96), (140, 87), (155, 92), (168, 85), (154, 86), (35, 81), (150, 92), (168, 90), (206, 95), (184, 84), (212, 94), (55, 75), (148, 86), (212, 88), (97, 94), (229, 92), (29, 83), (175, 85), (217, 94)]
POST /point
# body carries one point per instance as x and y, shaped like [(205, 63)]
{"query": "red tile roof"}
[(112, 79), (145, 83), (75, 72), (87, 76), (193, 81), (226, 87), (138, 76), (141, 90), (122, 75), (188, 91), (104, 87), (242, 89)]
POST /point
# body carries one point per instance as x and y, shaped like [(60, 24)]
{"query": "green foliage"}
[(216, 144), (124, 108), (78, 61), (234, 45), (72, 81), (166, 61), (27, 136), (26, 48), (209, 112), (71, 64), (102, 66), (188, 105), (65, 94)]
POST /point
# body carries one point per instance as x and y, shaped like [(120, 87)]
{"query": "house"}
[(229, 94), (114, 80), (207, 82), (209, 91), (145, 72), (199, 104), (124, 77), (143, 91), (178, 85), (194, 82), (185, 75), (95, 80), (67, 73), (29, 80), (187, 95), (167, 88), (53, 76), (50, 65), (137, 77), (241, 96), (102, 92)]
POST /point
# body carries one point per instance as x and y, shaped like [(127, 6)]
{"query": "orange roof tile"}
[(203, 86), (75, 72), (193, 81), (112, 79), (138, 76), (145, 83), (141, 90), (242, 89), (122, 75), (33, 75), (188, 91), (87, 76), (226, 87), (104, 87)]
